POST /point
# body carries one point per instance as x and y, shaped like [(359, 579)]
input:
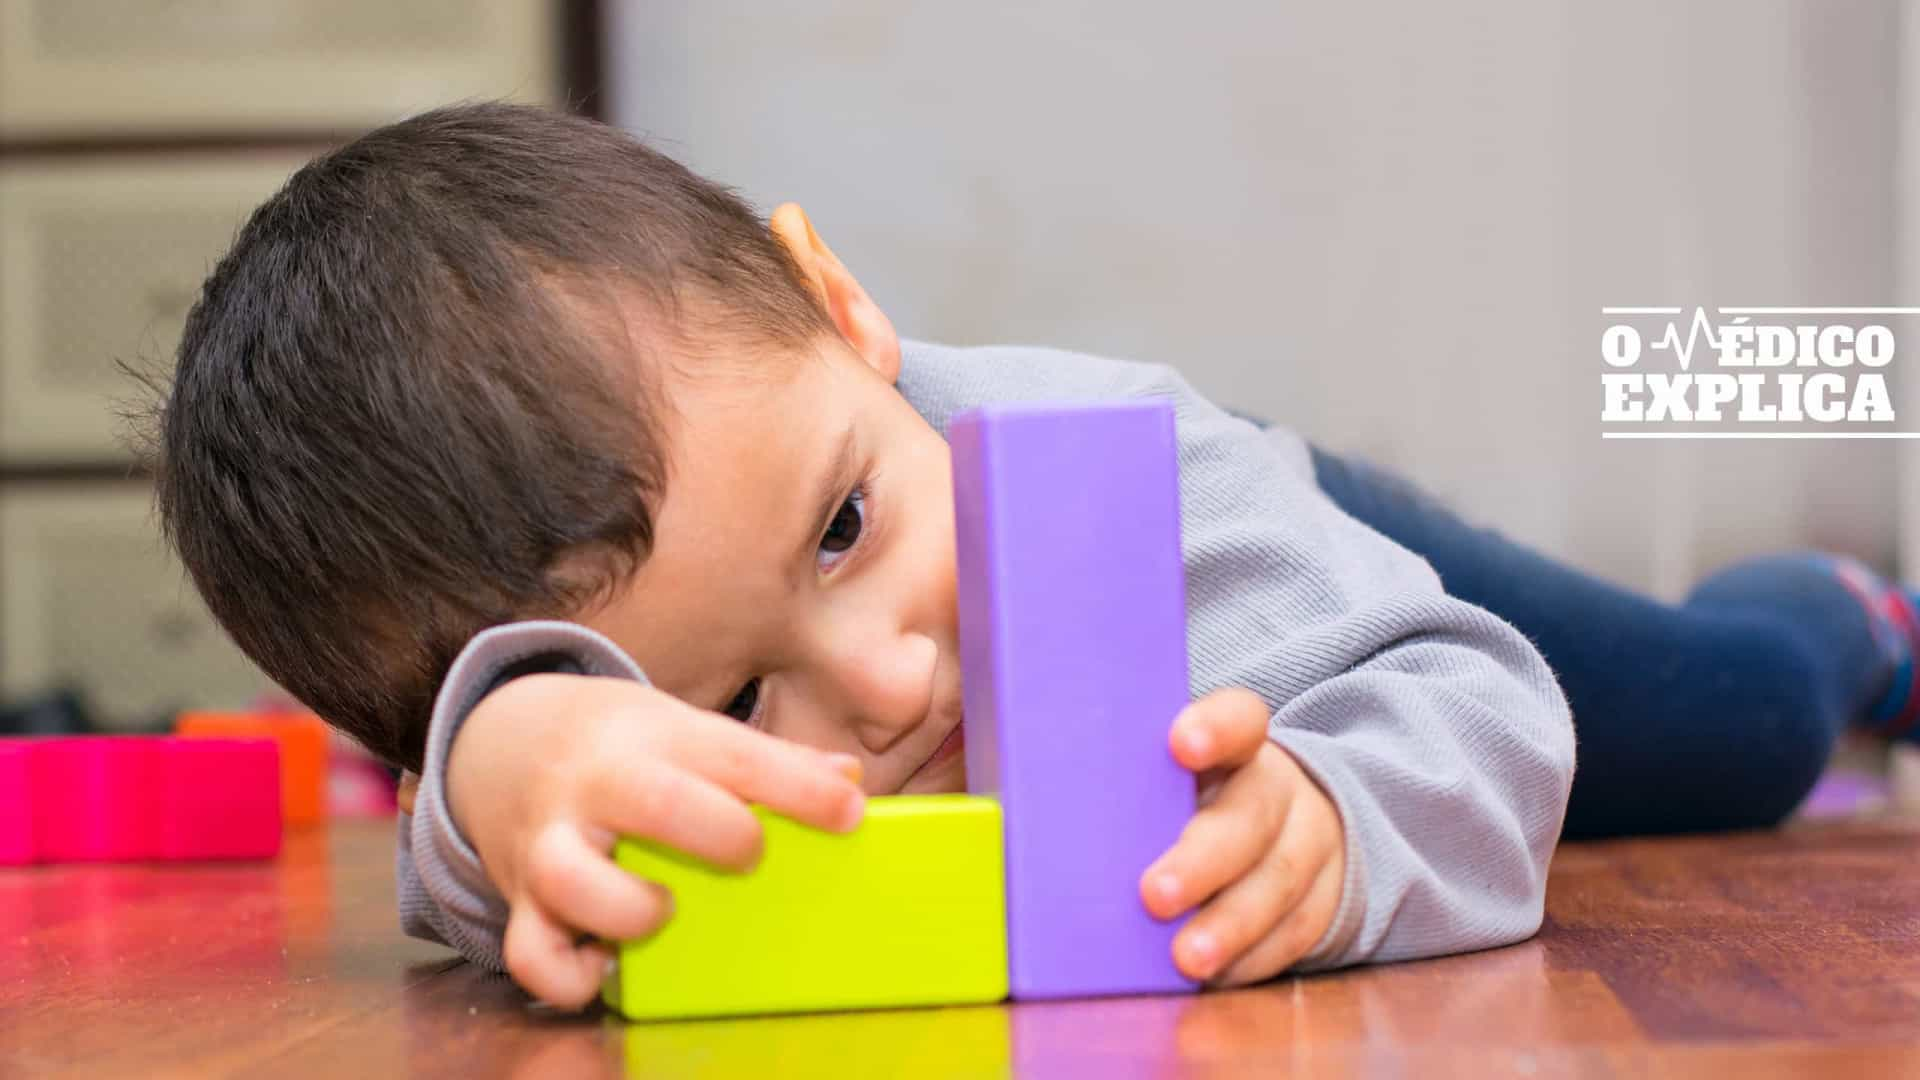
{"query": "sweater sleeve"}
[(445, 894), (1437, 729)]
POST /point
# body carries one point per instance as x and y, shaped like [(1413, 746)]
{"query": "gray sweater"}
[(1437, 729)]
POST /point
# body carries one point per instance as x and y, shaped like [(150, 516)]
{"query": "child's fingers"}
[(1285, 944), (1221, 843), (542, 957), (1221, 730), (662, 802), (801, 783), (1301, 878), (848, 766), (583, 889), (1243, 913)]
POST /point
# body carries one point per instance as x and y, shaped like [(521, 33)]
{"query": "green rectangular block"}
[(965, 1042), (908, 909)]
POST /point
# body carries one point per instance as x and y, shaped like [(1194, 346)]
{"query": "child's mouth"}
[(949, 748)]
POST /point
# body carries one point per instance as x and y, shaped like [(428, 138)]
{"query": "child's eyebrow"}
[(827, 497)]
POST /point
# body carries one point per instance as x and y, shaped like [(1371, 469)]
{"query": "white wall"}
[(1389, 225)]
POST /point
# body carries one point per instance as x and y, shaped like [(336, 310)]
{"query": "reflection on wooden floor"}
[(1771, 953)]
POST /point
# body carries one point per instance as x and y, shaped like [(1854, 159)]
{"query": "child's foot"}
[(1891, 609), (1799, 587)]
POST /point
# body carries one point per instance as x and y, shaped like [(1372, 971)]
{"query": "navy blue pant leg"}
[(1717, 713)]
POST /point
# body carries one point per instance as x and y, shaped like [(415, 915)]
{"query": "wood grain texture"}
[(1771, 954)]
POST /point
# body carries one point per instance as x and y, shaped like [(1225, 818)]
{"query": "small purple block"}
[(1072, 606), (16, 803)]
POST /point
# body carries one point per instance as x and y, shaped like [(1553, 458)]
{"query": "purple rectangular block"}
[(1072, 606)]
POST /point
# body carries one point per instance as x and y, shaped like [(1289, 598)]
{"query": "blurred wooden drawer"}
[(90, 597), (72, 67), (100, 259)]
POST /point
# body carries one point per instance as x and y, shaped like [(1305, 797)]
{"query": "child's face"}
[(802, 574)]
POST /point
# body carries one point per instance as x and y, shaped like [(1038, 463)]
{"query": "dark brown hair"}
[(409, 394)]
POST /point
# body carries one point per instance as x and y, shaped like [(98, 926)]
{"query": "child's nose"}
[(887, 685)]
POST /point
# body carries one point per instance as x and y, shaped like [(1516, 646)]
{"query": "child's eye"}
[(844, 530), (745, 704)]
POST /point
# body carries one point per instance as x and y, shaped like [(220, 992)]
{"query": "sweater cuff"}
[(1351, 914), (443, 857)]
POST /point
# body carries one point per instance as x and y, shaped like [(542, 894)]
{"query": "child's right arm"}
[(506, 856)]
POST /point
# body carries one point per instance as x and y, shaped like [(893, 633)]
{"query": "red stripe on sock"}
[(1865, 588), (1900, 611)]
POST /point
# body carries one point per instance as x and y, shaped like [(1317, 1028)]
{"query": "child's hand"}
[(1265, 852), (550, 768)]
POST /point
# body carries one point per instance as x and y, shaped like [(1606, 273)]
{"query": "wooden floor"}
[(1748, 956)]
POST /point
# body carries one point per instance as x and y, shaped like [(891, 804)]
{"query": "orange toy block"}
[(303, 753)]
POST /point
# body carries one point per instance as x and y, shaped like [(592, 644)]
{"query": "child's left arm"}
[(1391, 782)]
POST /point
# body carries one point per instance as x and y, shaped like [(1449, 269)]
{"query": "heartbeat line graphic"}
[(1700, 327)]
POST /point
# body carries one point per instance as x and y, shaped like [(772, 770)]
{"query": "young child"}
[(493, 410)]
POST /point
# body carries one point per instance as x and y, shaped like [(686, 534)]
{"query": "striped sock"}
[(1897, 624)]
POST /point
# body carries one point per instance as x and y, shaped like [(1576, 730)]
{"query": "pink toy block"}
[(94, 799), (218, 799), (120, 798), (16, 803)]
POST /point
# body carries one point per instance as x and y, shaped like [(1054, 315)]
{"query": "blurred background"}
[(1391, 226)]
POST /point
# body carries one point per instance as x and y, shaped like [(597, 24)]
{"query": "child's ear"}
[(858, 318)]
